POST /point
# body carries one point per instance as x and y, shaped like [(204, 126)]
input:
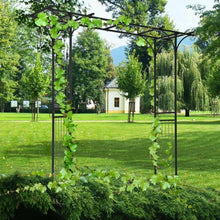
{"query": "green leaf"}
[(60, 73), (130, 188), (53, 20), (120, 26), (83, 21), (152, 136), (58, 45), (106, 179), (97, 22), (141, 42), (151, 91), (73, 147), (58, 189), (90, 25), (41, 20), (54, 33), (109, 22), (152, 102), (63, 172), (83, 180), (158, 130), (73, 24), (165, 185)]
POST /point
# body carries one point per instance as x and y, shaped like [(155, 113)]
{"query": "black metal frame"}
[(155, 33)]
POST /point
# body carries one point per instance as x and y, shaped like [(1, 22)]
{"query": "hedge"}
[(98, 200)]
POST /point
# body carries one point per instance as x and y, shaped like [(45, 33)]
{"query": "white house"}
[(115, 102)]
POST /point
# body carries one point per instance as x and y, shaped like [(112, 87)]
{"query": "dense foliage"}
[(9, 59), (98, 200), (192, 91), (35, 83), (92, 67), (208, 40), (130, 80)]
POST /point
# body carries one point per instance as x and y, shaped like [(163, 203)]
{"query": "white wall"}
[(111, 94), (137, 105)]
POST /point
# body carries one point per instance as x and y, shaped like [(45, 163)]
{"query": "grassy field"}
[(107, 141), (105, 117)]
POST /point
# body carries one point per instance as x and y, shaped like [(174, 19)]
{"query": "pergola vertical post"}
[(155, 78), (53, 106), (155, 85), (175, 99), (70, 66)]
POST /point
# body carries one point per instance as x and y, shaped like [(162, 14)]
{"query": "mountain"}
[(118, 54)]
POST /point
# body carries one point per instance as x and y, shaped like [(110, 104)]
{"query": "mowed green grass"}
[(114, 144), (105, 117)]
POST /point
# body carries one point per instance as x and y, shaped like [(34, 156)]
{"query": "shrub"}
[(98, 200)]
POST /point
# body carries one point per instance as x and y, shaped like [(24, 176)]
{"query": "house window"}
[(116, 102)]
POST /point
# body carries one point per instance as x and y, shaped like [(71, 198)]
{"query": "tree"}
[(8, 59), (135, 9), (209, 41), (130, 80), (191, 89), (35, 83), (92, 66)]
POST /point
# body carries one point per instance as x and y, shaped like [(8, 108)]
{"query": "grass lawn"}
[(105, 117), (107, 141)]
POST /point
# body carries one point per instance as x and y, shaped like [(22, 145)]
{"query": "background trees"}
[(8, 58), (209, 42), (191, 87), (143, 12), (92, 67), (35, 83)]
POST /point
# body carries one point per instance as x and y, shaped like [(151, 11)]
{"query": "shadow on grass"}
[(197, 150), (30, 151), (129, 153)]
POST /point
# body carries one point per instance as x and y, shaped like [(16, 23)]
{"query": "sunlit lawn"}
[(104, 117), (26, 146)]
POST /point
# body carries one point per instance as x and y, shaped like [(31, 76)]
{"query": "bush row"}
[(98, 200)]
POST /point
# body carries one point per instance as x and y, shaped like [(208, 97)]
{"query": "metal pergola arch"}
[(157, 34)]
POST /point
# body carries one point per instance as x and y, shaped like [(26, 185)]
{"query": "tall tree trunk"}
[(186, 112), (33, 110), (131, 110), (129, 114), (37, 109)]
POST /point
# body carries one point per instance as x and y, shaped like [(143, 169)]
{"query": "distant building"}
[(115, 102)]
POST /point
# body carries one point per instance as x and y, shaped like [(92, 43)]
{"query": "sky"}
[(182, 17)]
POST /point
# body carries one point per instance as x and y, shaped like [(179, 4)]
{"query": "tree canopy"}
[(209, 41), (191, 89), (8, 58), (130, 79), (34, 82), (92, 67)]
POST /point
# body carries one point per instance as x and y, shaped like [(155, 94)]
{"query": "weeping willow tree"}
[(192, 93), (166, 84), (166, 92), (195, 95)]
